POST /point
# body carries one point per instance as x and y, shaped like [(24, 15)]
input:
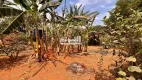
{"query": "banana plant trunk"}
[(37, 35), (1, 38), (44, 39)]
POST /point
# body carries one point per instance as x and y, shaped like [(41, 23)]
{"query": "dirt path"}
[(20, 70)]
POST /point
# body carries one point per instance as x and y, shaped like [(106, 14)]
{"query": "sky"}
[(102, 6)]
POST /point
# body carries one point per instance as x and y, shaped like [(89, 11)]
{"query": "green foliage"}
[(123, 7), (7, 11), (140, 51), (15, 20), (50, 4), (98, 28), (14, 24), (131, 59), (18, 43), (134, 69), (126, 32), (122, 73), (77, 14), (69, 25), (123, 28), (23, 3), (120, 78), (131, 78)]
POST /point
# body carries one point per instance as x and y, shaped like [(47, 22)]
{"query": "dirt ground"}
[(57, 70)]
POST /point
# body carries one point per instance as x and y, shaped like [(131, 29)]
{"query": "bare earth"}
[(57, 70)]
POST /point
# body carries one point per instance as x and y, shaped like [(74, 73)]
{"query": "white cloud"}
[(106, 7), (98, 23), (112, 6), (102, 6), (99, 18), (71, 2), (85, 2), (107, 14)]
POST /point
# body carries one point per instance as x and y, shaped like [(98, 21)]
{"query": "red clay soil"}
[(57, 70), (8, 38)]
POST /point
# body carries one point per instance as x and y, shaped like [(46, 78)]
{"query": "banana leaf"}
[(8, 3), (7, 11), (14, 24), (23, 3), (81, 17), (50, 4)]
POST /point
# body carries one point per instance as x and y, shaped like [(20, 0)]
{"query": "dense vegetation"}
[(33, 18), (122, 30)]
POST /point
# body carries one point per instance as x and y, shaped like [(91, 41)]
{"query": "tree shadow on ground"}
[(102, 75), (7, 63)]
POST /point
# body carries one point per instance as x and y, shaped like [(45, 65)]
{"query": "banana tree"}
[(78, 17), (32, 8), (11, 18), (14, 14), (75, 17), (44, 8)]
